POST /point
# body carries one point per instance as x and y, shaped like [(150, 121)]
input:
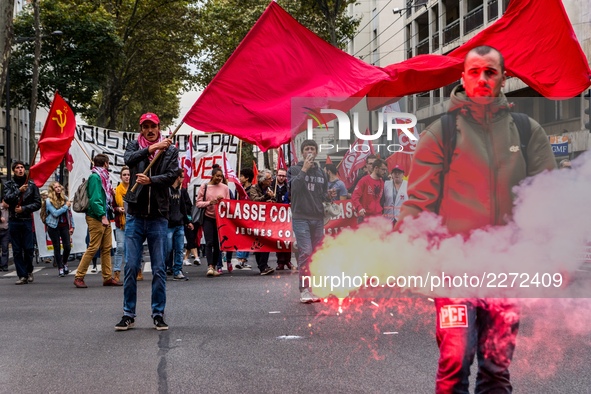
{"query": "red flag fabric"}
[(188, 163), (231, 176), (536, 39), (69, 161), (279, 59), (328, 160), (55, 140), (255, 170), (281, 159), (292, 151), (353, 160)]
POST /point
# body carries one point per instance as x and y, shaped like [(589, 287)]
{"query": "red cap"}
[(151, 117), (397, 167)]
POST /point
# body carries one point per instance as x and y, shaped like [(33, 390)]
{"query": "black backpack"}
[(449, 136)]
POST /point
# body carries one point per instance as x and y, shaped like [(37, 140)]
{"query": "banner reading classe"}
[(266, 227)]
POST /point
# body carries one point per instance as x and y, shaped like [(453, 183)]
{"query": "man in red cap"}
[(147, 215)]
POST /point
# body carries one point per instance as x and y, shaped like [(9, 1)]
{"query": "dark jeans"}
[(212, 244), (283, 258), (23, 246), (262, 259), (55, 234), (4, 238), (490, 332)]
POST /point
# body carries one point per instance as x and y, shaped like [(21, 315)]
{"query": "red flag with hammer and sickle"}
[(55, 141)]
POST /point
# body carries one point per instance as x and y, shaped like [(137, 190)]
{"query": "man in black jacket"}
[(23, 198), (147, 218)]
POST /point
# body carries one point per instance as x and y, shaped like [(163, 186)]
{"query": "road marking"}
[(13, 274)]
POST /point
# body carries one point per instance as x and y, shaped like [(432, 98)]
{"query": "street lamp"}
[(7, 129)]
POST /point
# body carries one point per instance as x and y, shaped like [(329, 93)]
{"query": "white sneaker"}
[(307, 297), (93, 270), (187, 262), (180, 276)]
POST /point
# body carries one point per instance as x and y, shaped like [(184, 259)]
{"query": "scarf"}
[(104, 174), (144, 143)]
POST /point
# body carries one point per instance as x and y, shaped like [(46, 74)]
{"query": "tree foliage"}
[(224, 23)]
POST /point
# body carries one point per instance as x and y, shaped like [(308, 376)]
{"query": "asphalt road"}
[(249, 334)]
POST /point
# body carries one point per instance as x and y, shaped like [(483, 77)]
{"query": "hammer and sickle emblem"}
[(61, 121)]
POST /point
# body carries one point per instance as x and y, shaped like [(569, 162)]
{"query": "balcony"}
[(423, 100), (493, 10), (435, 42), (423, 47), (474, 19), (451, 32)]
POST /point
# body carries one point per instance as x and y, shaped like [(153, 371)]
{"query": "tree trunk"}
[(6, 15), (34, 83)]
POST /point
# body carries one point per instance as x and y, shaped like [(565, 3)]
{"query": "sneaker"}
[(21, 281), (220, 271), (212, 272), (246, 266), (79, 283), (280, 267), (180, 276), (5, 269), (169, 272), (196, 261), (66, 269), (159, 323), (61, 274), (125, 324), (307, 297), (230, 267), (93, 269), (112, 282), (30, 278), (238, 266), (187, 262), (267, 271)]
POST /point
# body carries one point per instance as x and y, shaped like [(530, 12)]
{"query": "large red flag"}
[(279, 59), (536, 39), (55, 140), (188, 163), (353, 160)]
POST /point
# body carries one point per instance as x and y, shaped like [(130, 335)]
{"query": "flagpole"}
[(81, 147), (239, 156), (276, 171), (157, 156)]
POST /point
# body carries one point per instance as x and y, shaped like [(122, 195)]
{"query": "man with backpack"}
[(98, 219), (465, 173)]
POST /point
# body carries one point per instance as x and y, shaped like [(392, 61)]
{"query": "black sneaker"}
[(267, 271), (159, 323), (125, 323)]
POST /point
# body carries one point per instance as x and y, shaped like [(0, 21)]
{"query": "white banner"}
[(208, 149)]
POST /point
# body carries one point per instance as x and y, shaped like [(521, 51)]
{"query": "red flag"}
[(255, 170), (294, 62), (231, 176), (328, 160), (292, 151), (188, 163), (353, 160), (69, 161), (55, 141), (281, 159), (534, 36)]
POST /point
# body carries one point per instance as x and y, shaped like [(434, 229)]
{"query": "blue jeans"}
[(489, 332), (137, 230), (23, 246), (242, 255), (120, 251), (175, 241), (308, 234)]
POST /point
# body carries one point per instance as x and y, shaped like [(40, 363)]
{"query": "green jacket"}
[(97, 198)]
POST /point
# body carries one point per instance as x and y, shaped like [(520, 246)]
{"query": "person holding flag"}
[(154, 165)]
